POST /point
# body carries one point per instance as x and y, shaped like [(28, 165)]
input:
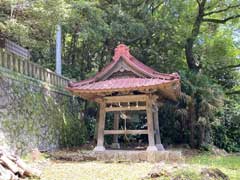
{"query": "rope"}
[(124, 117)]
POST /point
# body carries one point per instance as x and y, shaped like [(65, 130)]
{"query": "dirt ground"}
[(196, 166), (95, 171)]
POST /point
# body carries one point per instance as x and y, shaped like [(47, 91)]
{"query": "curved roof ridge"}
[(122, 51)]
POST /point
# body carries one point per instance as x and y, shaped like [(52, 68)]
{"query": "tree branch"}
[(221, 10), (230, 66), (198, 2), (221, 21), (157, 6), (192, 62)]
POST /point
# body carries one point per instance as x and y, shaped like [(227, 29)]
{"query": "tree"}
[(219, 12)]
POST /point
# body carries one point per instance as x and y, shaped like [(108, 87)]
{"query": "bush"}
[(226, 131)]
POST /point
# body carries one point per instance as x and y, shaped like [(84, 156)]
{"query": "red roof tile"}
[(97, 84), (120, 83)]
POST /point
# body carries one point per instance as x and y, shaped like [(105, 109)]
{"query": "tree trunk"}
[(192, 62)]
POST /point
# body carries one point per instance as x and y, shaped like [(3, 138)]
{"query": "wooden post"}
[(116, 127), (101, 125), (157, 131), (151, 142)]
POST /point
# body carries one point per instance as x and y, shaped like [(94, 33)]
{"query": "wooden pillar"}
[(116, 127), (157, 131), (151, 141), (101, 126)]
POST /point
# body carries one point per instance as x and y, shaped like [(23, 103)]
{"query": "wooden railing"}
[(33, 70)]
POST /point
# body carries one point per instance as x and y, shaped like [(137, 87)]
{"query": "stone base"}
[(120, 156), (99, 149), (115, 146), (151, 148), (160, 147), (138, 156)]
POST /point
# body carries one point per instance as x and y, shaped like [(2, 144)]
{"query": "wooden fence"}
[(28, 68)]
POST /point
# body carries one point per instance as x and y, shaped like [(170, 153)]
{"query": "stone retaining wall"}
[(34, 114)]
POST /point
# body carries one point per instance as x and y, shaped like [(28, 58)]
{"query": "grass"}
[(62, 170), (230, 165), (187, 174), (96, 171)]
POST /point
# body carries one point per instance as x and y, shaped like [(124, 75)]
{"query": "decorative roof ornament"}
[(121, 50)]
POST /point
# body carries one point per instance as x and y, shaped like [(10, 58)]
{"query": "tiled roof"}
[(151, 77), (119, 84)]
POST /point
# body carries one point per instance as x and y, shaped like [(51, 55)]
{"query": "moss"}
[(188, 174), (39, 117)]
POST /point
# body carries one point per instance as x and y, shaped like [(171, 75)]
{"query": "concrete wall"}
[(35, 114)]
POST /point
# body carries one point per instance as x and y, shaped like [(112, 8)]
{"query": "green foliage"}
[(170, 128), (73, 131), (226, 130), (190, 120)]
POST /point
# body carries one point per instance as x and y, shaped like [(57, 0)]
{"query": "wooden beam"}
[(125, 131), (130, 98), (130, 108)]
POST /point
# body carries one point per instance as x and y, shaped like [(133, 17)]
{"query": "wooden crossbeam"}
[(127, 108), (130, 98), (125, 131)]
